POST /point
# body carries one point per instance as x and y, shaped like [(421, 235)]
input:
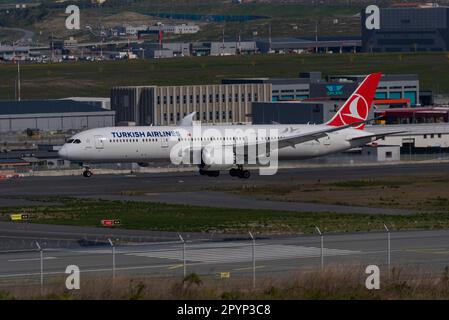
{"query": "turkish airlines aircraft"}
[(239, 146)]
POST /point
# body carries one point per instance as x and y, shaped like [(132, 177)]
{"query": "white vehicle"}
[(151, 143)]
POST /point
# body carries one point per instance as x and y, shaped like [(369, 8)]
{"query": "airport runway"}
[(415, 251), (193, 189), (159, 253), (192, 181)]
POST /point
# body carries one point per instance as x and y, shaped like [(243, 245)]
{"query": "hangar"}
[(52, 115)]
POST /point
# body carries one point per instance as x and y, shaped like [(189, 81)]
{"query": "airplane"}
[(144, 144)]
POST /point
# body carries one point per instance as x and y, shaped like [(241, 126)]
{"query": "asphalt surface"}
[(193, 189), (414, 252), (160, 253)]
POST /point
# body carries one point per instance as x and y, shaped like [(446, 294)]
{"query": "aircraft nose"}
[(63, 152)]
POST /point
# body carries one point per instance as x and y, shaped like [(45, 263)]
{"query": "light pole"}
[(41, 259), (253, 258), (113, 260), (388, 249), (183, 255), (18, 80), (322, 247)]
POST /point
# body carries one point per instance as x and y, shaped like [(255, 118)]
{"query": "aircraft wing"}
[(377, 136), (291, 139)]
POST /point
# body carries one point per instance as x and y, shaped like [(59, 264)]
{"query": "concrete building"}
[(416, 137), (381, 153), (52, 115), (167, 105), (100, 102), (293, 112), (218, 48), (160, 53), (408, 29), (165, 28), (179, 49), (176, 28), (9, 53), (311, 85), (323, 45)]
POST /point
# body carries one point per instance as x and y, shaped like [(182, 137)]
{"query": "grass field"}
[(164, 217), (334, 283), (420, 192), (96, 79)]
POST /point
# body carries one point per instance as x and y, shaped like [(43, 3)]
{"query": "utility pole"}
[(269, 37), (223, 45), (18, 80), (253, 258)]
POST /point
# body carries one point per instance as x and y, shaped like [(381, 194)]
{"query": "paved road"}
[(27, 35), (16, 236), (161, 185), (416, 251)]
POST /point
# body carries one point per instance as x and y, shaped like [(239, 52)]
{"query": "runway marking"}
[(430, 250), (241, 253), (176, 266), (31, 259), (248, 268)]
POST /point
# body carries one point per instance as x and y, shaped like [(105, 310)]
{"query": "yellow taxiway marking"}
[(248, 268), (176, 266)]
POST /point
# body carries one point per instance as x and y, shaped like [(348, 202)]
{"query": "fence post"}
[(253, 258), (113, 260), (183, 255), (322, 247), (388, 250), (41, 259)]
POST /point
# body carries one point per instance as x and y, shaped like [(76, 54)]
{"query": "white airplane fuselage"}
[(151, 143)]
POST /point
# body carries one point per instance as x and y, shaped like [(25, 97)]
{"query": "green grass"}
[(96, 79), (164, 217)]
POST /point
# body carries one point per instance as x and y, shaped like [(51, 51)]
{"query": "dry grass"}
[(336, 282), (428, 193)]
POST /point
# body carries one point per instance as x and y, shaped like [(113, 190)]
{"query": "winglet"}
[(356, 108), (187, 121)]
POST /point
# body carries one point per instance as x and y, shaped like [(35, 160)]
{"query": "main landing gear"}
[(242, 174)]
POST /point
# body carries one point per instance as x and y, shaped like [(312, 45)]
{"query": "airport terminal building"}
[(167, 105), (311, 85), (408, 29)]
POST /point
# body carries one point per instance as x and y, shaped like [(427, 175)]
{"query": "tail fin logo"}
[(356, 108)]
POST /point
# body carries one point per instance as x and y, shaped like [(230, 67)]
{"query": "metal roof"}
[(46, 106), (410, 129)]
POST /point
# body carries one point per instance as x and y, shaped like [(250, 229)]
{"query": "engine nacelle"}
[(143, 164), (217, 158)]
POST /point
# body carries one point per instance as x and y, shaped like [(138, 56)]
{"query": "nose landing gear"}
[(87, 173)]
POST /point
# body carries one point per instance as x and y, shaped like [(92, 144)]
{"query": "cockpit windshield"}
[(76, 141)]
